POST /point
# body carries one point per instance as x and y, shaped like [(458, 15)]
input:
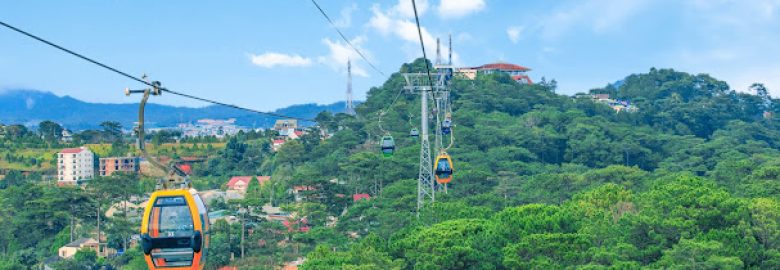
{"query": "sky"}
[(270, 54)]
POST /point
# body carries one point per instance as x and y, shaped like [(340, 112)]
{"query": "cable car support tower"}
[(419, 83)]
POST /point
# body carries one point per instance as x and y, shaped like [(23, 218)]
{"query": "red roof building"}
[(186, 168), (360, 196), (300, 225), (72, 150), (517, 72), (503, 67), (240, 183)]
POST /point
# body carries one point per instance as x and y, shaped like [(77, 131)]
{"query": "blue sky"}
[(270, 54)]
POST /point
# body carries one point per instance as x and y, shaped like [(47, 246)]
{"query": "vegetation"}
[(543, 181)]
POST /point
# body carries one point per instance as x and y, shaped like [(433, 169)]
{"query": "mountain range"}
[(30, 107)]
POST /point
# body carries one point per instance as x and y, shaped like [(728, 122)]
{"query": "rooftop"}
[(72, 150), (80, 242), (503, 66), (246, 179)]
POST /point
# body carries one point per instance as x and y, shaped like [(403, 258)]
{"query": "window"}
[(171, 217)]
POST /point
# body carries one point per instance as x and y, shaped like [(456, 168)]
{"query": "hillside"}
[(31, 107), (542, 181), (548, 181)]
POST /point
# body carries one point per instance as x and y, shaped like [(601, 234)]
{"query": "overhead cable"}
[(140, 80)]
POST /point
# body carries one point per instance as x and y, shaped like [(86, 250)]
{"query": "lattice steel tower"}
[(419, 83), (350, 109)]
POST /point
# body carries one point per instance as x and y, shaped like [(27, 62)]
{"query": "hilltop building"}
[(288, 129), (616, 104), (75, 164), (67, 136), (284, 124), (110, 165), (517, 72)]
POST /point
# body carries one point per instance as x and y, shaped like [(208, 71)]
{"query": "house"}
[(110, 165), (302, 192), (69, 250), (277, 144), (241, 183), (185, 167), (185, 163), (284, 124), (67, 136), (293, 225), (360, 196), (616, 104), (74, 165)]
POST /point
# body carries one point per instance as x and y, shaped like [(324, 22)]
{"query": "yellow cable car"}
[(443, 168), (175, 230)]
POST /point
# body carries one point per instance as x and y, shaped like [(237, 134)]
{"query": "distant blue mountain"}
[(29, 107)]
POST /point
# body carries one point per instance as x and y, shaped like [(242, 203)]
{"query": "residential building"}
[(210, 127), (241, 183), (67, 136), (616, 104), (110, 165), (277, 144), (75, 164), (69, 250), (303, 192), (283, 124), (466, 73), (360, 196)]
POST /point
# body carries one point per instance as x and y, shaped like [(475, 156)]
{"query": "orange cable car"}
[(443, 168), (175, 230)]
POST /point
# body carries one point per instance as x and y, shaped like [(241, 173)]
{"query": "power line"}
[(144, 81), (345, 38), (422, 44)]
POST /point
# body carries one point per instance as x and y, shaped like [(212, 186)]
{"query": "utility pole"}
[(242, 211)]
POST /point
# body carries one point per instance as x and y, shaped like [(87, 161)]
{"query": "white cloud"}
[(598, 16), (395, 23), (740, 80), (273, 59), (404, 8), (513, 32), (345, 20), (459, 8), (340, 52)]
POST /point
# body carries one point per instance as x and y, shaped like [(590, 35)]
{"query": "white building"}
[(74, 164), (211, 127)]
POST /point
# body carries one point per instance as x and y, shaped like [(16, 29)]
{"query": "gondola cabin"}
[(414, 133), (446, 126), (443, 169), (388, 145), (175, 230)]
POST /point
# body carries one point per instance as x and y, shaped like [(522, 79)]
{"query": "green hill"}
[(546, 181), (690, 180)]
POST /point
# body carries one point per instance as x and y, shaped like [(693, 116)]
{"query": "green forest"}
[(691, 180)]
